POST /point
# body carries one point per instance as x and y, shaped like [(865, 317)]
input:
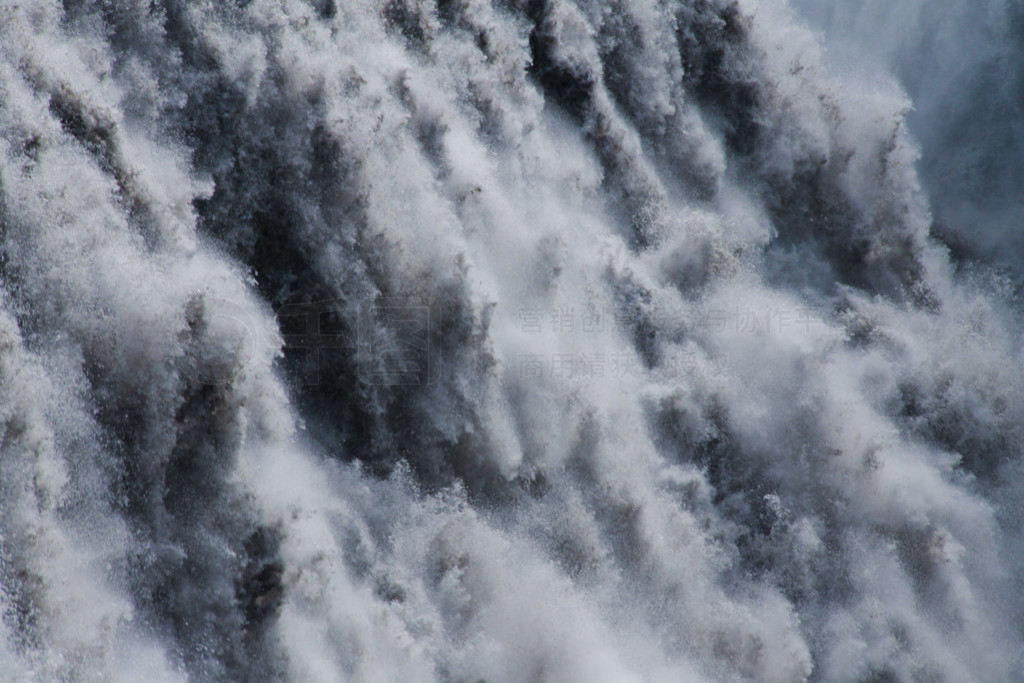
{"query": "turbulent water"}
[(511, 340)]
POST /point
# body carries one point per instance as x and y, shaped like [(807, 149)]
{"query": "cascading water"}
[(522, 340)]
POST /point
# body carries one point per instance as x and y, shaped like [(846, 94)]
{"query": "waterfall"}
[(511, 340)]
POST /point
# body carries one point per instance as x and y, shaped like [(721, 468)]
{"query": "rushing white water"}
[(644, 357), (961, 66)]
